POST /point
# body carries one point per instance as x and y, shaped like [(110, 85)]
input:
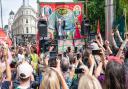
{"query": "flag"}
[(98, 27), (77, 33), (73, 42), (38, 43), (5, 38)]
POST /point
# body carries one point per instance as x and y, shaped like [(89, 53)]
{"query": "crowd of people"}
[(96, 65)]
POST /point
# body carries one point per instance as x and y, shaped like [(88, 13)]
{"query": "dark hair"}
[(68, 49), (52, 62), (126, 73), (34, 48), (65, 64), (24, 79), (114, 74)]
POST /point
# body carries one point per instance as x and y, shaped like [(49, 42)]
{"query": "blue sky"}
[(14, 5)]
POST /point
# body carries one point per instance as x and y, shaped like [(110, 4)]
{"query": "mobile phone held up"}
[(53, 54), (79, 70)]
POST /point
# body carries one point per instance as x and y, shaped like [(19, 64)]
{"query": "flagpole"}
[(1, 14), (125, 19)]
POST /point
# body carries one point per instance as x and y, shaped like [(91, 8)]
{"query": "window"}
[(26, 29), (26, 20), (27, 12)]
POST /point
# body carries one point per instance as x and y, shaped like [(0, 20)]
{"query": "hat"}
[(94, 46), (24, 70)]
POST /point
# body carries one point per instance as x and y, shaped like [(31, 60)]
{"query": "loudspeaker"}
[(42, 27), (85, 27)]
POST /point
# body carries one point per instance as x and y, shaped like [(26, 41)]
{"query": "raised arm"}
[(114, 42), (122, 47), (8, 70), (119, 37), (108, 47), (91, 62), (100, 38)]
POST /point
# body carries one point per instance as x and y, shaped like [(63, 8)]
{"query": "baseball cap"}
[(94, 46), (24, 70)]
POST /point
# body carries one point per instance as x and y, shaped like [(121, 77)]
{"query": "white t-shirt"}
[(20, 57), (22, 87)]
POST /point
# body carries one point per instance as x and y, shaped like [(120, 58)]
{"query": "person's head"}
[(93, 46), (85, 69), (68, 49), (52, 62), (114, 75), (65, 64), (24, 71), (51, 80), (89, 82), (20, 51), (33, 49), (72, 59)]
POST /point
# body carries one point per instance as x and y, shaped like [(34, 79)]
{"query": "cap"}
[(24, 70), (94, 46)]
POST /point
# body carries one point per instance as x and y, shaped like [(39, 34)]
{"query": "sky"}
[(13, 5)]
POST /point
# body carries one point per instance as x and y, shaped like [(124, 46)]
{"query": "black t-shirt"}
[(5, 85)]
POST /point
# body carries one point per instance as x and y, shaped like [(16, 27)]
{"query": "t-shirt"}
[(22, 87), (5, 85), (20, 57), (34, 61)]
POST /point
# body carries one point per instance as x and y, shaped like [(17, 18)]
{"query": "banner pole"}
[(125, 13)]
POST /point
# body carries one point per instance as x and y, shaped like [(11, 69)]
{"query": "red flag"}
[(77, 33), (5, 38), (38, 43), (98, 27)]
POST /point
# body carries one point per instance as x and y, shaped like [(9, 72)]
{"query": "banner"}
[(56, 1), (63, 18)]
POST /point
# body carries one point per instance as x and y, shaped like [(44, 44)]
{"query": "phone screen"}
[(53, 54)]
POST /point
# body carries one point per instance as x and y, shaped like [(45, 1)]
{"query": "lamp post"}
[(109, 17), (1, 14)]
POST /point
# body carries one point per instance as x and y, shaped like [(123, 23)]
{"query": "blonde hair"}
[(51, 80), (1, 73), (89, 82)]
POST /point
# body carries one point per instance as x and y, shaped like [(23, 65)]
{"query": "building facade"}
[(10, 22), (24, 26)]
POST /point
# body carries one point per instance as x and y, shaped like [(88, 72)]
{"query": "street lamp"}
[(1, 14)]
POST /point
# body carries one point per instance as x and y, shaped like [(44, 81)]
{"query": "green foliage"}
[(120, 6), (96, 11)]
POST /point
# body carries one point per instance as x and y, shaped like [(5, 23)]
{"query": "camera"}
[(96, 52)]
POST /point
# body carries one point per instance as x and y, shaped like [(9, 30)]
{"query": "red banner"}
[(62, 9)]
